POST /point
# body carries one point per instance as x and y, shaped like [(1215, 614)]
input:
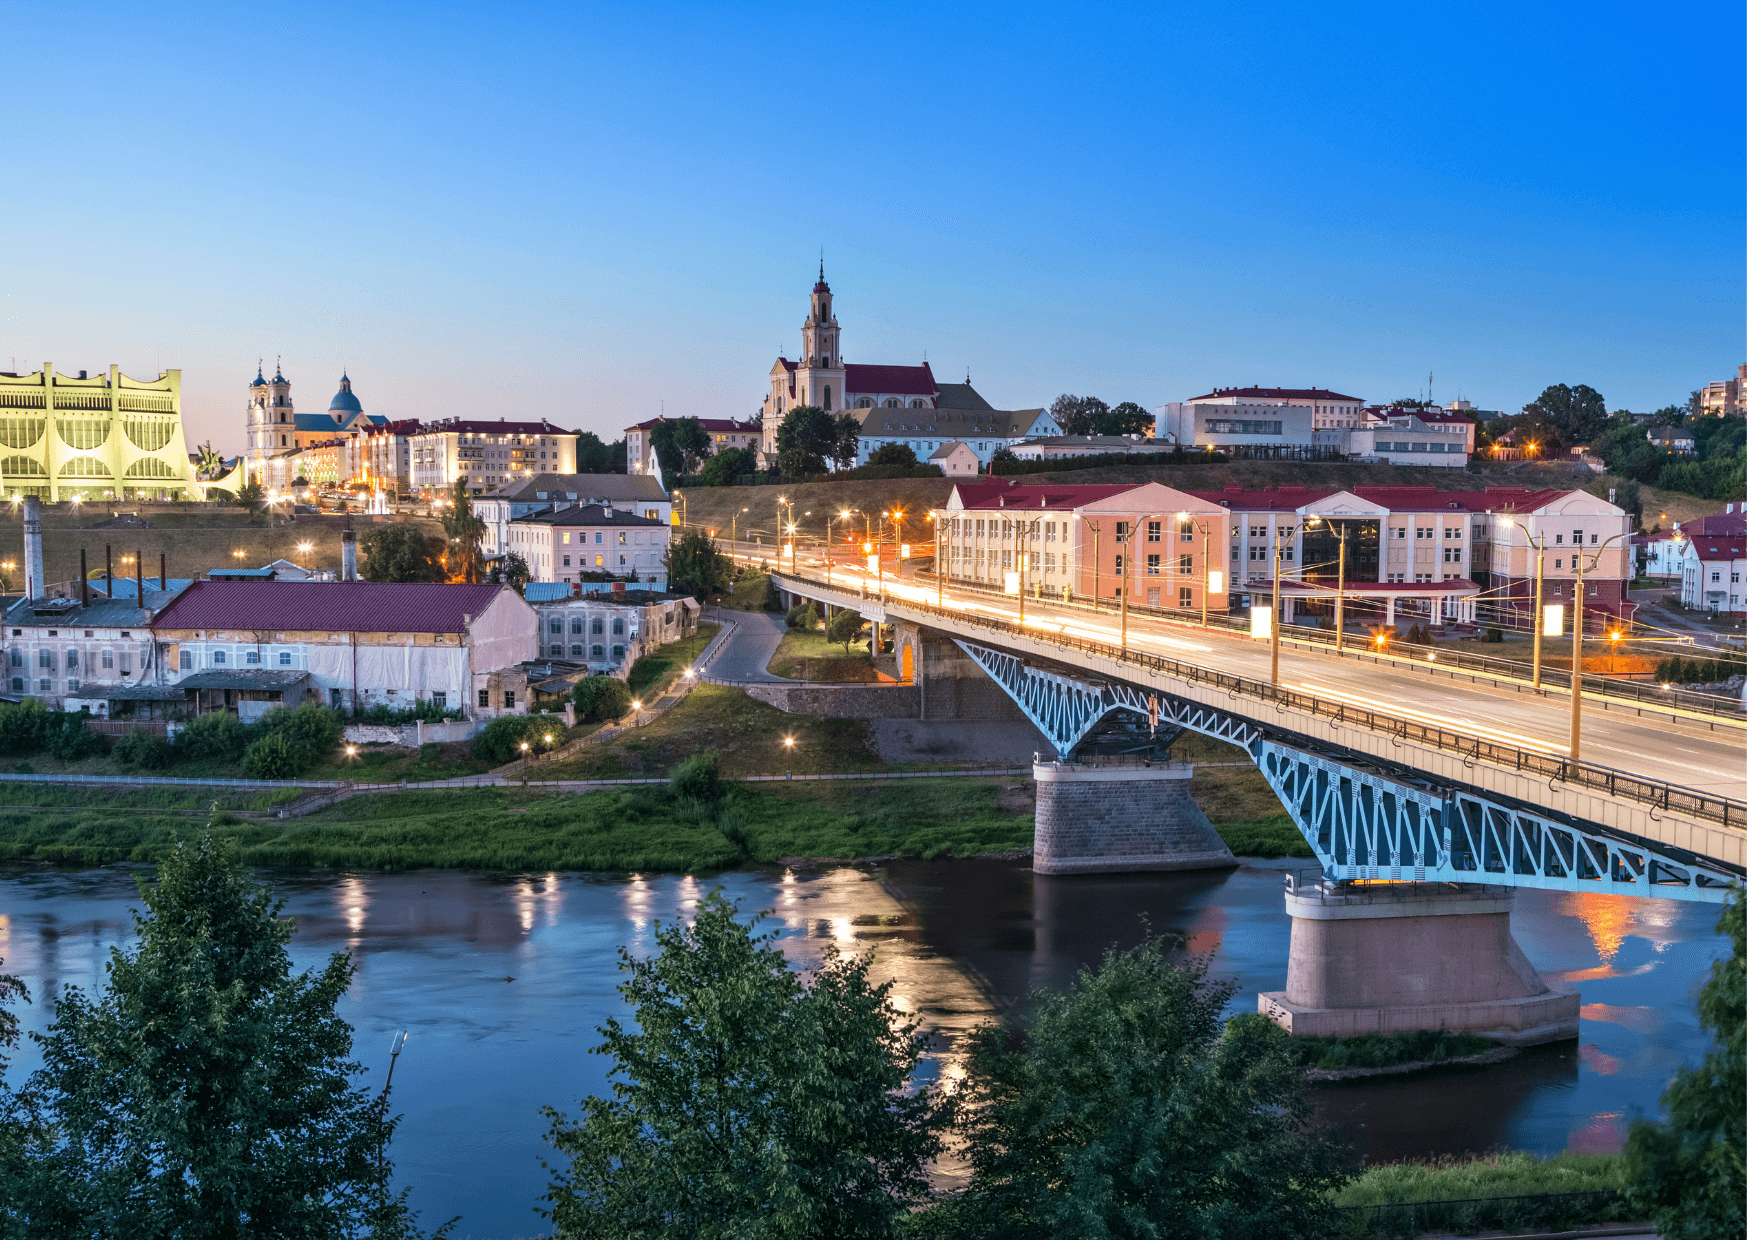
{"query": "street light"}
[(1578, 635), (1275, 608), (1539, 546)]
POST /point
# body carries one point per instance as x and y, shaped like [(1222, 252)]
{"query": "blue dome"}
[(344, 402), (257, 381)]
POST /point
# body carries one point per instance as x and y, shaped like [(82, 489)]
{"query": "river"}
[(502, 982)]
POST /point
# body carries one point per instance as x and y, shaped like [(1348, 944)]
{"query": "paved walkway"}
[(748, 649)]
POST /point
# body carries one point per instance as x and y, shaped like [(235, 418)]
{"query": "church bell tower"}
[(820, 376)]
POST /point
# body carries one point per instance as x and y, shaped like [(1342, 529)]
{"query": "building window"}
[(1185, 596), (218, 658), (598, 651), (1153, 566), (72, 659), (45, 684), (618, 653), (45, 658), (555, 625), (18, 684), (618, 626), (252, 656), (1153, 531), (485, 698), (576, 650), (509, 699), (184, 661), (1184, 563), (285, 658), (556, 649)]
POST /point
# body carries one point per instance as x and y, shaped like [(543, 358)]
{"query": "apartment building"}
[(385, 455), (490, 455), (562, 545), (724, 433), (638, 495), (1436, 437)]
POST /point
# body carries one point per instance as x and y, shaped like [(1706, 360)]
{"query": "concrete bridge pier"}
[(1397, 958), (1118, 816)]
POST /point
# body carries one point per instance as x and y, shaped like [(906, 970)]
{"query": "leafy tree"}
[(22, 726), (276, 756), (847, 441), (211, 461), (746, 1103), (600, 697), (1688, 1173), (67, 738), (501, 740), (596, 457), (1411, 402), (206, 1092), (1079, 415), (804, 616), (699, 778), (722, 469), (807, 438), (679, 443), (465, 535), (1577, 414), (217, 736), (1125, 1109), (1001, 459), (844, 628), (892, 454), (1127, 418), (513, 570), (696, 566), (401, 552)]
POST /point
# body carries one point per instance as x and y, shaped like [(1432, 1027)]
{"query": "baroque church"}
[(276, 428), (934, 414)]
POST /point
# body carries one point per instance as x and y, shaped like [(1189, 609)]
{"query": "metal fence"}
[(1651, 792)]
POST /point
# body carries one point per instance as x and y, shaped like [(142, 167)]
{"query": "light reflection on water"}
[(502, 982)]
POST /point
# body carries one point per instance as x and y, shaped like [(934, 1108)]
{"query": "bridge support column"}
[(1399, 958), (1111, 818)]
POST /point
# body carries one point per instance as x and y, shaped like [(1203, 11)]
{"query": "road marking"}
[(1407, 712)]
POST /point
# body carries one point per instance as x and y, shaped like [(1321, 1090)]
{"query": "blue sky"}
[(580, 213)]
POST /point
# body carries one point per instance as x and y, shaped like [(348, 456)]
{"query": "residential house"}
[(639, 495), (1437, 437), (957, 412), (385, 455), (955, 458), (563, 545), (360, 643), (1328, 410), (723, 433), (1671, 440), (66, 648)]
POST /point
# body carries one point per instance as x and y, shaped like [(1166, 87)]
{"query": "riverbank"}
[(1512, 1192)]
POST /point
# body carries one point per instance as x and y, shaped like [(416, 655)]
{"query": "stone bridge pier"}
[(1405, 957), (1114, 816)]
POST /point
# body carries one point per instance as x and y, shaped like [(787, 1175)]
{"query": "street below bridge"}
[(1705, 755)]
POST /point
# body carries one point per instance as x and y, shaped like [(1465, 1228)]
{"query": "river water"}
[(502, 982)]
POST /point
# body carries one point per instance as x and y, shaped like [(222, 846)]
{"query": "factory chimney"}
[(33, 582), (348, 554)]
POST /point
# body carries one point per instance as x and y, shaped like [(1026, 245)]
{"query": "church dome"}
[(258, 381), (344, 401)]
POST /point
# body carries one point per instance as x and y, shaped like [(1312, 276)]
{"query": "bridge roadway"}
[(1703, 757)]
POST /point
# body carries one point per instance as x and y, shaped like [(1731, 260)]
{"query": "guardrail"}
[(1655, 793)]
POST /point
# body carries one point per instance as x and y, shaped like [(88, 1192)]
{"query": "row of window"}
[(596, 651), (555, 625), (48, 659), (251, 657)]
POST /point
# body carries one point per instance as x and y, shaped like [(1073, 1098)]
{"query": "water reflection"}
[(503, 982)]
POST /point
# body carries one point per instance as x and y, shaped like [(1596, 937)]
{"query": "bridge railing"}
[(1656, 793)]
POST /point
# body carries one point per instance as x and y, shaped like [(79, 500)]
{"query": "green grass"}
[(1511, 1174), (1375, 1050), (748, 593), (1274, 836), (512, 829), (809, 656), (651, 675), (746, 735)]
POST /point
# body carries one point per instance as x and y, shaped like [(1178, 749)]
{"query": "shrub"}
[(601, 697), (803, 616), (21, 727), (217, 735), (309, 726), (1493, 634), (67, 738), (144, 749), (844, 628), (276, 756), (501, 740), (698, 778)]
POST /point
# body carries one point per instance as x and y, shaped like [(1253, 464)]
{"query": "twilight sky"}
[(580, 212)]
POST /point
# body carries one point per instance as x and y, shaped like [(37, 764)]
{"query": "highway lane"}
[(1652, 748)]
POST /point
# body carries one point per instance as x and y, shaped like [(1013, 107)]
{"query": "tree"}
[(1001, 458), (1127, 418), (1688, 1173), (1411, 402), (893, 454), (847, 442), (679, 443), (1577, 414), (1125, 1109), (696, 566), (401, 552), (211, 461), (206, 1092), (513, 570), (722, 469), (806, 439), (746, 1103), (250, 495), (844, 628), (596, 457), (465, 534), (1078, 415), (600, 697)]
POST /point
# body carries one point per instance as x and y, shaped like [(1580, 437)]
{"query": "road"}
[(744, 653), (1652, 748)]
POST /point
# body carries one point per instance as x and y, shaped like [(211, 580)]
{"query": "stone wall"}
[(855, 701), (951, 684), (1107, 819), (412, 735)]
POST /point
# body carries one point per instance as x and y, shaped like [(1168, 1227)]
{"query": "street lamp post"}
[(1340, 576), (1578, 637), (1539, 546), (1207, 564), (1023, 539), (1275, 611)]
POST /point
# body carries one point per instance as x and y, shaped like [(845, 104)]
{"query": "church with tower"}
[(276, 430), (893, 404)]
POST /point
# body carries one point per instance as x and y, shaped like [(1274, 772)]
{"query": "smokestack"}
[(161, 581), (348, 555), (84, 581), (108, 571), (139, 577), (33, 582)]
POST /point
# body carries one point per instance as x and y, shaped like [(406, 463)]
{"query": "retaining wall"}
[(853, 701)]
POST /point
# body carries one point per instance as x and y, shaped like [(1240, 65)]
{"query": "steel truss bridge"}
[(1364, 817)]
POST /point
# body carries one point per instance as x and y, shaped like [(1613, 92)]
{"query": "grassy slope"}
[(651, 675), (1498, 1175), (825, 660)]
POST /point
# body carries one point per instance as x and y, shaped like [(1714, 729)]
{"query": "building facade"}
[(610, 632), (105, 436), (490, 455), (386, 455), (1436, 437), (278, 433), (637, 495), (361, 643), (61, 648), (563, 545), (1711, 573)]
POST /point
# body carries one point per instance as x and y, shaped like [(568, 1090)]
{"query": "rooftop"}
[(861, 379), (584, 487), (332, 606), (1269, 393), (242, 678), (100, 613), (503, 426), (716, 425), (592, 514)]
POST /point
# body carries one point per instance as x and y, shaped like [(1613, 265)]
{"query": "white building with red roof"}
[(1711, 572)]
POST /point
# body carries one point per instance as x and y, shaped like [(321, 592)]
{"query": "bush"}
[(698, 778), (276, 756), (500, 741), (217, 736), (67, 738), (844, 628), (22, 726), (601, 697), (144, 749), (311, 727), (803, 616), (1493, 634)]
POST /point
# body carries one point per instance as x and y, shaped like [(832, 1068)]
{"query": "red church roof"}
[(897, 380)]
